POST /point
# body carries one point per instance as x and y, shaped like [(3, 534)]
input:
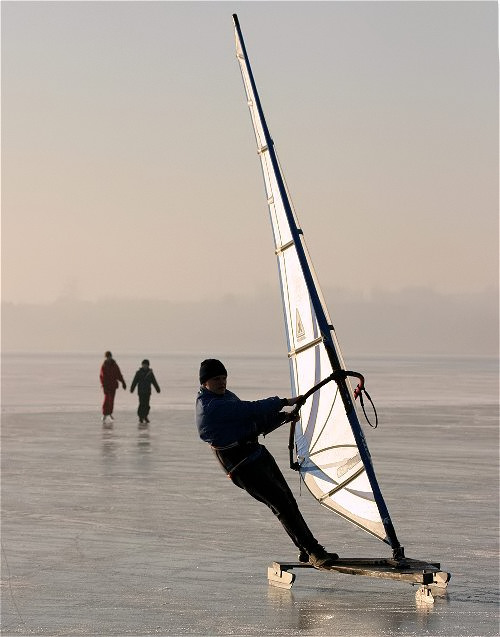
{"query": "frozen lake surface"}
[(127, 531)]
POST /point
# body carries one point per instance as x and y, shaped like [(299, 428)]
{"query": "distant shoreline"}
[(409, 322)]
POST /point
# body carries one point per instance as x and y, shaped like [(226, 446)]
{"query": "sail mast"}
[(323, 332), (296, 232)]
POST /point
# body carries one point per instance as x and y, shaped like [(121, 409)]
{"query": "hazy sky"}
[(129, 164)]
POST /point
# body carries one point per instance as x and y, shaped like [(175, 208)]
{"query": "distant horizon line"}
[(233, 354), (367, 296)]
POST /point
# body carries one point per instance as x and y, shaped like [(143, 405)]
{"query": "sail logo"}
[(348, 464), (300, 331)]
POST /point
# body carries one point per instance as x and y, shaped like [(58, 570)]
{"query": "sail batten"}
[(334, 461), (305, 347), (282, 248)]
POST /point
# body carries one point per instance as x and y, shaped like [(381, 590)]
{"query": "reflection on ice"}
[(144, 440), (108, 442), (347, 609)]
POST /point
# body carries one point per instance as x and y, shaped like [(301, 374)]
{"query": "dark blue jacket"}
[(223, 420)]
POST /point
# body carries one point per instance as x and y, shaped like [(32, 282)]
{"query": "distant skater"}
[(231, 427), (110, 376), (143, 379)]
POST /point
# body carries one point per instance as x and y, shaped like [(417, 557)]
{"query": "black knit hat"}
[(145, 362), (209, 368)]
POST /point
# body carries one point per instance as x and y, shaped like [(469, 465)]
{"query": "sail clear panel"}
[(332, 465)]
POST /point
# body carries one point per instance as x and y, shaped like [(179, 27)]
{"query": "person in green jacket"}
[(143, 380)]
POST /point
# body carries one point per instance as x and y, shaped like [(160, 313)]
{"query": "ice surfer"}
[(231, 426), (110, 376), (143, 380)]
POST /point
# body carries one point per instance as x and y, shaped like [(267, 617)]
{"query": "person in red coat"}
[(110, 376)]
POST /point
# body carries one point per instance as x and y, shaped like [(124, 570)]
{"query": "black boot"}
[(320, 558)]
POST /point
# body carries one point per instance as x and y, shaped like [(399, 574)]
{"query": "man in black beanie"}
[(231, 426)]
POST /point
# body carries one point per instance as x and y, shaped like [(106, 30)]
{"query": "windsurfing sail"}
[(333, 457)]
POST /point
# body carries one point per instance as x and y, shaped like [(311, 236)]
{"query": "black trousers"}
[(143, 409), (263, 480)]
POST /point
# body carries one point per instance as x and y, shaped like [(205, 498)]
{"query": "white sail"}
[(331, 449)]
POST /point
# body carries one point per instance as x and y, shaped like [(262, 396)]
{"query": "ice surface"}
[(128, 531)]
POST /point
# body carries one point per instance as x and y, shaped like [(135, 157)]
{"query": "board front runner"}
[(332, 453), (432, 581)]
